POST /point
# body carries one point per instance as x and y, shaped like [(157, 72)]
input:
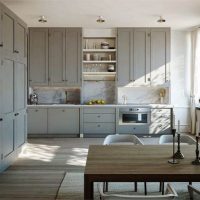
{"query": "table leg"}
[(88, 188)]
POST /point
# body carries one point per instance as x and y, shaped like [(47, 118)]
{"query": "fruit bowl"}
[(96, 102)]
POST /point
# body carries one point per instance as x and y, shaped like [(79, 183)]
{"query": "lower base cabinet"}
[(53, 121), (63, 121), (20, 130), (37, 121)]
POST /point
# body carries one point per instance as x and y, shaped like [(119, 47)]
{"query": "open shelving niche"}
[(95, 63)]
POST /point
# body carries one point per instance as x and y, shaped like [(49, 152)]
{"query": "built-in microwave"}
[(134, 116)]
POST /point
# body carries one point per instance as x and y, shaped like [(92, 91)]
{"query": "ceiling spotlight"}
[(42, 19), (161, 20), (100, 19)]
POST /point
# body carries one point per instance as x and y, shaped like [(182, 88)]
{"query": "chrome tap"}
[(124, 99)]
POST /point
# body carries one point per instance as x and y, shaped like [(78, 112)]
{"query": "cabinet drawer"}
[(160, 117), (137, 129), (93, 128), (160, 128), (99, 117), (159, 111), (99, 110)]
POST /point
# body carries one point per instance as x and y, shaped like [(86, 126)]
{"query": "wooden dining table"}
[(140, 163)]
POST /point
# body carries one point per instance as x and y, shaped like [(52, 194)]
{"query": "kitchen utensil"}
[(34, 98)]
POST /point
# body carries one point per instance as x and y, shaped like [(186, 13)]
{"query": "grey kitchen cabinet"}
[(8, 33), (8, 136), (57, 56), (19, 129), (161, 121), (143, 56), (38, 56), (20, 85), (99, 121), (63, 121), (12, 84), (58, 60), (7, 76), (124, 51), (37, 121), (20, 40), (73, 56), (160, 55)]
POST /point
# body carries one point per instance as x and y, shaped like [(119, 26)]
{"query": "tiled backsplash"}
[(49, 95), (99, 90), (142, 95)]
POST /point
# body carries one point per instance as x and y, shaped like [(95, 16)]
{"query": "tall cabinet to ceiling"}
[(143, 56), (13, 73), (55, 56)]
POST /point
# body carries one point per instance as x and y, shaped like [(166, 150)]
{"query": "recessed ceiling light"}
[(161, 20), (42, 19), (100, 19)]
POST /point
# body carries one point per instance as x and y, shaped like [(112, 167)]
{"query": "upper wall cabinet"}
[(38, 56), (143, 56), (57, 56), (7, 34), (54, 56)]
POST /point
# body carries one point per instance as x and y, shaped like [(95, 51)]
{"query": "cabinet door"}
[(57, 56), (19, 86), (38, 56), (63, 121), (1, 29), (20, 130), (8, 136), (141, 57), (159, 55), (7, 86), (124, 49), (37, 121), (73, 56), (20, 40), (8, 33), (1, 144)]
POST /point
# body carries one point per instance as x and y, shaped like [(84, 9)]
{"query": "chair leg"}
[(145, 188), (135, 186), (163, 187), (160, 187), (190, 183), (105, 186), (190, 193)]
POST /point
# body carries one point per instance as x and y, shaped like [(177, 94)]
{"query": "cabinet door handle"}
[(36, 110), (16, 51), (63, 110), (1, 45), (149, 79), (1, 119), (16, 114)]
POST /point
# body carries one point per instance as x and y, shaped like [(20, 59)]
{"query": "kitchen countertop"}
[(101, 106)]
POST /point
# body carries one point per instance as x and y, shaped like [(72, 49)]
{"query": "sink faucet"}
[(124, 99)]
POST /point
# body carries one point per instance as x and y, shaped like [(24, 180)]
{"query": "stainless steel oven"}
[(134, 116)]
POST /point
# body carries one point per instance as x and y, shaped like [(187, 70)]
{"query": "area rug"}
[(72, 188)]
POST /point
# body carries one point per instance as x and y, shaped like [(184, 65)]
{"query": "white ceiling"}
[(179, 14)]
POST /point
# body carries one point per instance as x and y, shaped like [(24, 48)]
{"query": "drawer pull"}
[(36, 110), (98, 116), (16, 114), (98, 125), (63, 110), (1, 119)]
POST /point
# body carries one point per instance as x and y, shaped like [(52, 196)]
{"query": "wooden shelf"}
[(99, 61), (100, 73), (99, 50)]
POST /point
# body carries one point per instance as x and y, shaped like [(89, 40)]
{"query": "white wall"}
[(180, 77)]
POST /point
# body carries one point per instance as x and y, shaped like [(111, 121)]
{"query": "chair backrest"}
[(170, 193), (186, 139), (132, 139)]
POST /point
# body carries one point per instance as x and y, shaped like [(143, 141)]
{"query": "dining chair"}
[(191, 190), (125, 139), (170, 193), (184, 139)]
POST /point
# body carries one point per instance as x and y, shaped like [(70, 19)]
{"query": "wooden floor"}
[(41, 166)]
